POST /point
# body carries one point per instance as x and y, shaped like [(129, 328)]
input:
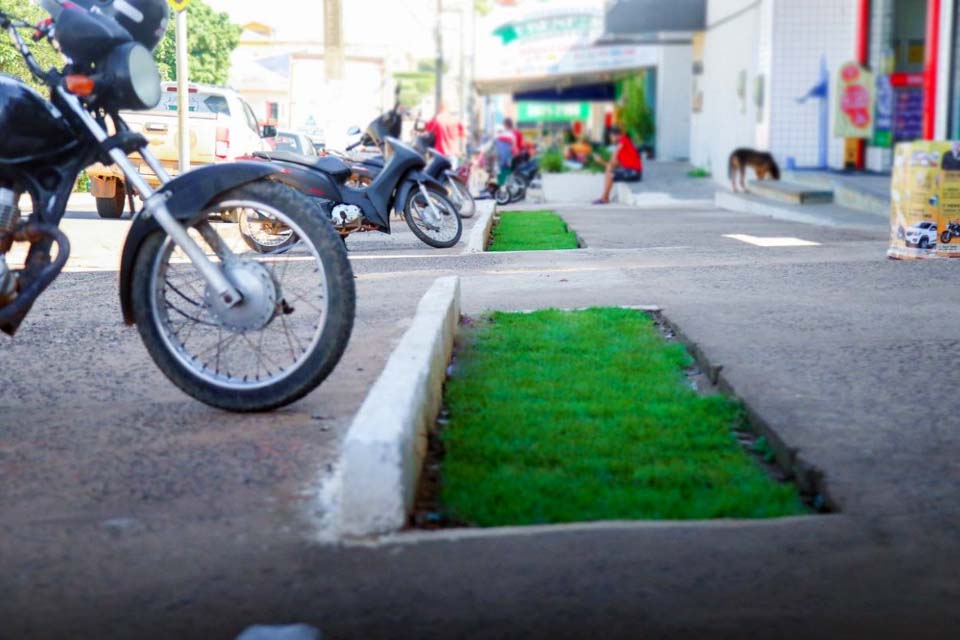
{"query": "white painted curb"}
[(384, 449), (486, 209)]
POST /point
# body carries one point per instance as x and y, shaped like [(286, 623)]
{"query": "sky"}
[(395, 23)]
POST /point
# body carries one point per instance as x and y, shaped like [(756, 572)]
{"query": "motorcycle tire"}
[(264, 243), (462, 197), (946, 237), (502, 196), (449, 210), (326, 279)]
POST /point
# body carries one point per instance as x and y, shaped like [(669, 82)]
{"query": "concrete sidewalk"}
[(836, 348)]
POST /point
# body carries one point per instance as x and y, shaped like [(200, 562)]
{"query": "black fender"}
[(410, 183), (188, 196)]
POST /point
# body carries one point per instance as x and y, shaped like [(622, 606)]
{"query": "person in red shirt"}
[(625, 165), (448, 133)]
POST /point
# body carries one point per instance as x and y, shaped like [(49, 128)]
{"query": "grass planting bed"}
[(557, 417), (531, 231)]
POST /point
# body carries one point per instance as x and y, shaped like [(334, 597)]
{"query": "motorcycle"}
[(525, 171), (397, 181), (233, 331), (440, 168), (952, 231)]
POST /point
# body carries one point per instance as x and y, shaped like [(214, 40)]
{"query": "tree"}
[(634, 114), (211, 38), (10, 60)]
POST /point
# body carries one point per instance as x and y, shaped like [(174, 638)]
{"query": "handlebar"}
[(12, 26)]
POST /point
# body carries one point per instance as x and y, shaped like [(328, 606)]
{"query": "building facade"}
[(766, 71)]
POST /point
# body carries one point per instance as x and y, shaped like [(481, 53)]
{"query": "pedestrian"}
[(625, 164), (447, 133), (508, 147)]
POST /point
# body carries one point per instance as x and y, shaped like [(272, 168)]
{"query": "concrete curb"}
[(822, 215), (480, 235), (387, 441)]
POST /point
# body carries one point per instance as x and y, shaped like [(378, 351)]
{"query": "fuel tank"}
[(31, 125)]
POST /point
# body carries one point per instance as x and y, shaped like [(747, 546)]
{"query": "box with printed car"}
[(948, 222), (916, 186)]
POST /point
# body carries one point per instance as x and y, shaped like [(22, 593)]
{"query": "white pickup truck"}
[(223, 127)]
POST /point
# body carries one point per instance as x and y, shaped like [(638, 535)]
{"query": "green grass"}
[(698, 173), (531, 231), (586, 416)]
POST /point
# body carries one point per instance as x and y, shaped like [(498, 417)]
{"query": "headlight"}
[(135, 77)]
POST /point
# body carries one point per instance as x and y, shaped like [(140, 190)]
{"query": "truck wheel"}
[(113, 208)]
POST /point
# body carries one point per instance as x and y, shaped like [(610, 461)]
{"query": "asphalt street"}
[(130, 511)]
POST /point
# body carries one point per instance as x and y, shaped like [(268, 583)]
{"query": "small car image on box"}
[(922, 235)]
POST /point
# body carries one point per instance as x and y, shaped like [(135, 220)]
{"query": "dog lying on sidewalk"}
[(762, 162)]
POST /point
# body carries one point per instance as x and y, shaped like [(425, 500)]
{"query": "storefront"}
[(910, 45), (553, 69)]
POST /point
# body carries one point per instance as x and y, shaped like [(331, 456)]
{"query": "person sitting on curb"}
[(625, 164)]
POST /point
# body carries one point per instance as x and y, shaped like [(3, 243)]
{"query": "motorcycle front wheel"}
[(264, 234), (461, 197), (439, 234), (287, 334), (946, 237)]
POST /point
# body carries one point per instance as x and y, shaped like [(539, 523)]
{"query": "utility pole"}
[(333, 54), (439, 72), (183, 92)]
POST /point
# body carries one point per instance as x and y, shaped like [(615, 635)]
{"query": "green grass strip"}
[(532, 231), (587, 416)]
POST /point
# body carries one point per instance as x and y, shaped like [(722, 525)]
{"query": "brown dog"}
[(762, 162)]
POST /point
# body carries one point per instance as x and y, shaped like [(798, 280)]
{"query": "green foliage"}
[(415, 86), (211, 38), (552, 161), (532, 231), (698, 173), (483, 7), (584, 416), (10, 60), (635, 115), (83, 183)]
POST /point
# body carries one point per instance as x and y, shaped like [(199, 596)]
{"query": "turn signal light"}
[(82, 86)]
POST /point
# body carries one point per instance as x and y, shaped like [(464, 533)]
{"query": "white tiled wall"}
[(727, 120), (781, 41), (803, 33)]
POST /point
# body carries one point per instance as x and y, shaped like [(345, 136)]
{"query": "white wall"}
[(728, 120), (674, 102), (782, 42), (803, 33)]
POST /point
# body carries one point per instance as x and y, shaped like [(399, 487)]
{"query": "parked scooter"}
[(400, 184), (952, 231), (525, 171)]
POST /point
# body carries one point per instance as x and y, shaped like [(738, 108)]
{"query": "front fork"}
[(155, 206), (437, 219)]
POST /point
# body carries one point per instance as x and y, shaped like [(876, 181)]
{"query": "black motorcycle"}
[(952, 231), (233, 330), (525, 171), (399, 184)]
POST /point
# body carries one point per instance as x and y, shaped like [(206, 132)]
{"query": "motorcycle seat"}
[(334, 167)]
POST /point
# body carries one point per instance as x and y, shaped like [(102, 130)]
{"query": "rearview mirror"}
[(353, 131), (268, 131)]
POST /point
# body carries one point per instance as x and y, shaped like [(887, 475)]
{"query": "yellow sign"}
[(854, 102), (179, 5)]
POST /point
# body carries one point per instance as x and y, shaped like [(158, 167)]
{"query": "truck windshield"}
[(199, 103)]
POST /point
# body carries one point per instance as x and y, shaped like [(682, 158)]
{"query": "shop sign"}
[(552, 111), (883, 127), (854, 102)]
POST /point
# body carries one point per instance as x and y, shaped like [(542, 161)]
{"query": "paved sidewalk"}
[(838, 349)]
